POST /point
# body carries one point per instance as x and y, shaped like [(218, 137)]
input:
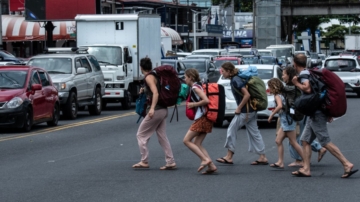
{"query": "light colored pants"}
[(147, 128), (256, 143)]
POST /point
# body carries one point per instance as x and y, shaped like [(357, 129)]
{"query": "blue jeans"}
[(315, 145)]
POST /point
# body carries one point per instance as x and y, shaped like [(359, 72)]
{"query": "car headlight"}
[(14, 103), (120, 77), (60, 86)]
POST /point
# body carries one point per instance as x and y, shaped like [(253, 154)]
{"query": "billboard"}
[(16, 5), (44, 10)]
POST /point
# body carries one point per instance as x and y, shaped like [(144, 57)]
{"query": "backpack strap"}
[(177, 114)]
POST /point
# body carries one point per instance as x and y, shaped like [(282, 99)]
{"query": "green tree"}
[(239, 5)]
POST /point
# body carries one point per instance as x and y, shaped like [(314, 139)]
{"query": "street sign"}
[(119, 25), (216, 29)]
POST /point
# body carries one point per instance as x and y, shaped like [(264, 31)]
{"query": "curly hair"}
[(275, 86), (193, 74), (291, 72)]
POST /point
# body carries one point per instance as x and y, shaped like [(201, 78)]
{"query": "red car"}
[(221, 60), (27, 97)]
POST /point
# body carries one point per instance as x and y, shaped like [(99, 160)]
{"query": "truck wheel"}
[(126, 102), (28, 121), (55, 116), (71, 107), (96, 108)]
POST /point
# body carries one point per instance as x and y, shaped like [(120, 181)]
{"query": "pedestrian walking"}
[(244, 115), (288, 73), (287, 124), (316, 127), (154, 121), (201, 125)]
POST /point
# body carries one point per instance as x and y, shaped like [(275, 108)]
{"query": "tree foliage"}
[(239, 5)]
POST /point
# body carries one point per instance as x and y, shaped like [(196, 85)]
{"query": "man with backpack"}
[(244, 115), (316, 126)]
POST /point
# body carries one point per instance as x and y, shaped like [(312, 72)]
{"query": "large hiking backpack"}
[(309, 103), (169, 85), (215, 110), (291, 93), (257, 90), (335, 103)]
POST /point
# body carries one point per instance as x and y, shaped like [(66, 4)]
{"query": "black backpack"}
[(291, 93)]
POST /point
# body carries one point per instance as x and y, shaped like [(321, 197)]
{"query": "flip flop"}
[(300, 174), (209, 172), (321, 155), (168, 167), (295, 165), (138, 165), (224, 161), (348, 174), (274, 165), (202, 166), (255, 163)]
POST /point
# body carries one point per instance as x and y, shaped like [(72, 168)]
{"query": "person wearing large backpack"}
[(288, 73), (201, 125), (154, 121), (244, 115), (316, 125)]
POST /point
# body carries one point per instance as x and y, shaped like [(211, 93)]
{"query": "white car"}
[(347, 68), (214, 52), (266, 72)]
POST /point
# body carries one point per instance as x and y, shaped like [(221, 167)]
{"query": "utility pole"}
[(1, 41), (176, 22), (254, 16), (188, 22), (232, 21)]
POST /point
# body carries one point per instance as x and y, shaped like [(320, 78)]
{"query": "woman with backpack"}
[(154, 121), (288, 125), (201, 125)]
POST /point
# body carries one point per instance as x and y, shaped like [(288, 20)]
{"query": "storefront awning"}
[(175, 37), (15, 28)]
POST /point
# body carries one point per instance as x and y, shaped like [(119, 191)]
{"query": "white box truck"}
[(352, 42), (119, 42)]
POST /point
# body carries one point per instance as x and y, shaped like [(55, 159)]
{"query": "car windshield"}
[(322, 57), (53, 65), (198, 65), (340, 64), (197, 57), (107, 54), (278, 52), (267, 60), (250, 60), (218, 63), (205, 53), (12, 79)]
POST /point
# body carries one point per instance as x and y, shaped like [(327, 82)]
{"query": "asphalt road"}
[(90, 159)]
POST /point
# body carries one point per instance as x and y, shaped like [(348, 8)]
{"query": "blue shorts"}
[(284, 121)]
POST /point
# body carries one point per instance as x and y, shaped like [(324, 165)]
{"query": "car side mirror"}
[(36, 87), (129, 60), (81, 70)]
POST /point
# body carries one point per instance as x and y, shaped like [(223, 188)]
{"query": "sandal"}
[(138, 165), (167, 167)]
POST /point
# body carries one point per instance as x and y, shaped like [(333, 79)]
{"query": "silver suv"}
[(77, 76)]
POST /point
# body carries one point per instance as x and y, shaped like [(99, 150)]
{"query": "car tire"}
[(96, 108), (55, 116), (28, 121), (126, 102), (71, 107)]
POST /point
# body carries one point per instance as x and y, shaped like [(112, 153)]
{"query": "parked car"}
[(315, 60), (307, 54), (206, 68), (209, 57), (27, 97), (78, 78), (348, 69), (214, 52), (265, 52), (177, 64), (221, 60), (269, 60), (182, 55), (244, 51), (8, 57), (266, 72), (250, 59)]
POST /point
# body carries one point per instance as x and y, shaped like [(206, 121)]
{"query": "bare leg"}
[(190, 135), (335, 151), (292, 139), (198, 142), (306, 159), (279, 142)]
